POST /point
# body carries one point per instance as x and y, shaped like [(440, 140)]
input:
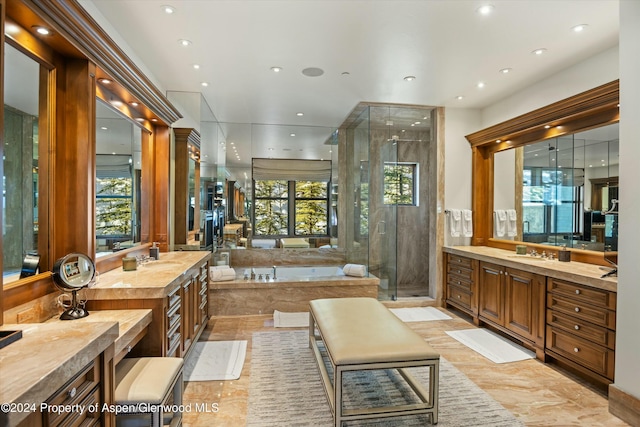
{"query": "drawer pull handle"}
[(577, 327), (459, 296), (576, 349), (459, 272), (129, 349), (72, 393), (458, 282), (577, 309), (577, 291)]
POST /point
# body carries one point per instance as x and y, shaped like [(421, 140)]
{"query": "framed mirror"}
[(118, 178), (24, 180), (559, 182)]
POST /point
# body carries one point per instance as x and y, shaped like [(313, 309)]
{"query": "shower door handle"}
[(382, 227)]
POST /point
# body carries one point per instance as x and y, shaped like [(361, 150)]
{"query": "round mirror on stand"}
[(72, 273)]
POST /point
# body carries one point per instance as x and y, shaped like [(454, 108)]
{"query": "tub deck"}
[(245, 297)]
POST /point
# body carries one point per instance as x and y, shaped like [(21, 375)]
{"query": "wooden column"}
[(72, 216), (1, 136), (482, 196), (157, 154)]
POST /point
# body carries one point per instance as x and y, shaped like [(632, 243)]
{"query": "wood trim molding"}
[(67, 17), (624, 406), (593, 108), (27, 290), (2, 7)]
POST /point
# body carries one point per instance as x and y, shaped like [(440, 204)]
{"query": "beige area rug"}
[(285, 389), (419, 314), (491, 345), (283, 319), (215, 361)]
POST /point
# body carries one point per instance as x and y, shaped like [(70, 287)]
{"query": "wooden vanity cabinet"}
[(513, 301), (581, 324), (461, 283)]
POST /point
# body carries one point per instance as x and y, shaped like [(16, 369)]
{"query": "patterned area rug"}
[(285, 390)]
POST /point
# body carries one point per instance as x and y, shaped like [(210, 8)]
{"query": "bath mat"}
[(419, 314), (491, 345), (282, 319), (285, 389), (215, 361)]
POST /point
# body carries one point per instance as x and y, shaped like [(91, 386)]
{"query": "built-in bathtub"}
[(291, 291)]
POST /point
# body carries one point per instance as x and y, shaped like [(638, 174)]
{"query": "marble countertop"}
[(46, 357), (577, 272), (155, 279)]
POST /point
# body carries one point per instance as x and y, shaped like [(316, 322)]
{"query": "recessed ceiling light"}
[(43, 31), (104, 128), (154, 120), (299, 114), (459, 97), (418, 123), (480, 85), (168, 9), (345, 73), (506, 70), (410, 78), (113, 153), (116, 103), (292, 134), (539, 51), (196, 66), (204, 84), (413, 124), (134, 103), (579, 28), (547, 127), (485, 9), (105, 81), (140, 119), (498, 141), (276, 69), (184, 42)]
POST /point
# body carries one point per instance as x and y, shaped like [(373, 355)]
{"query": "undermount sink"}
[(527, 257)]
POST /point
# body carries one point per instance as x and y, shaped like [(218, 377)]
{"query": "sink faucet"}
[(253, 274), (274, 272)]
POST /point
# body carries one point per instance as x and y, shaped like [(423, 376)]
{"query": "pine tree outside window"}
[(400, 184)]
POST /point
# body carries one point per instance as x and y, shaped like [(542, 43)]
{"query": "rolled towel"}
[(356, 270), (222, 274)]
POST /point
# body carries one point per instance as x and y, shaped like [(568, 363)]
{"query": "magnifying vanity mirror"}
[(72, 273)]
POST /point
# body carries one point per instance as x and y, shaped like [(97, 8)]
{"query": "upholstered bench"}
[(146, 386), (362, 334)]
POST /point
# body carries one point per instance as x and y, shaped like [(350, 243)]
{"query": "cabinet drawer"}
[(459, 282), (459, 271), (459, 261), (86, 418), (578, 327), (73, 392), (592, 356), (577, 308), (459, 296), (597, 297)]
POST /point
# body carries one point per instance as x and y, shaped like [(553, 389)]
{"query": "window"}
[(400, 184), (114, 198), (276, 201)]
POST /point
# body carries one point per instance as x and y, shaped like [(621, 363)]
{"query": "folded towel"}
[(500, 222), (356, 270), (467, 223), (455, 222), (511, 222), (222, 274)]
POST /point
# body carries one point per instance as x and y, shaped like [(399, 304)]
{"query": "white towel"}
[(356, 270), (467, 223), (501, 222), (511, 222), (222, 274), (455, 222)]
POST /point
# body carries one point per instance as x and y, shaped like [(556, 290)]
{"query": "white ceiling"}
[(446, 44)]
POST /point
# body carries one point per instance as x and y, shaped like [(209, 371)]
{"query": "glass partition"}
[(22, 183)]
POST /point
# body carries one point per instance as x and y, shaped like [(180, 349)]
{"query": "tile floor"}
[(537, 393)]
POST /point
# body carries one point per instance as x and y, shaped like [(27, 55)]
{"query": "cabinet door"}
[(523, 295), (491, 299)]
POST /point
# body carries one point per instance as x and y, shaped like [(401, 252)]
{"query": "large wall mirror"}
[(24, 181), (556, 170), (562, 189), (118, 176)]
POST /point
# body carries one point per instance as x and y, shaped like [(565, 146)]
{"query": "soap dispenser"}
[(154, 251)]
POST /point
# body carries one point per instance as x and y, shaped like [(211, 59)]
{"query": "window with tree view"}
[(277, 201), (114, 202), (400, 180)]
